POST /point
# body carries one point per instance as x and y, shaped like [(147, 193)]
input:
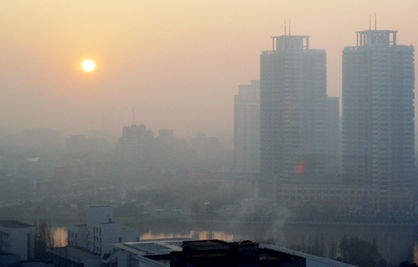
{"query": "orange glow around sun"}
[(88, 65)]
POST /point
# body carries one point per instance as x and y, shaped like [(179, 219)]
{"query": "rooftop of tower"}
[(294, 42), (368, 38)]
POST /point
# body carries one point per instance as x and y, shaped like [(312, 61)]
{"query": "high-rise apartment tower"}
[(292, 110), (378, 111)]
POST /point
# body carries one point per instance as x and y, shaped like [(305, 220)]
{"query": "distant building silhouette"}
[(247, 128), (332, 134), (135, 145), (378, 111), (169, 153), (292, 111)]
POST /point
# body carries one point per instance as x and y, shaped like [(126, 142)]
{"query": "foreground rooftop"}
[(13, 224)]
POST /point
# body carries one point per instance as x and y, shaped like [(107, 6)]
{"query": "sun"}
[(88, 65)]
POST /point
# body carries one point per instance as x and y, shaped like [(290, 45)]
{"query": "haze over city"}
[(208, 133), (167, 60)]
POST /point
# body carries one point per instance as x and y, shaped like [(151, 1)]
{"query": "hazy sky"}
[(177, 62)]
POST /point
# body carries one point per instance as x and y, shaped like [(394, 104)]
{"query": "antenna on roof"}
[(375, 22), (370, 22), (290, 23)]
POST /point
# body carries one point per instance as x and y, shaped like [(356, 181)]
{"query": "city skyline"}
[(116, 88), (289, 123)]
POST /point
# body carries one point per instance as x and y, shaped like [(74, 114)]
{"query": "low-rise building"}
[(179, 253), (17, 238), (74, 257), (35, 264), (154, 252), (9, 259), (92, 242), (100, 231)]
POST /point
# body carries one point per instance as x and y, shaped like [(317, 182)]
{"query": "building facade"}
[(378, 112), (17, 238), (332, 133), (100, 231), (247, 128), (292, 110)]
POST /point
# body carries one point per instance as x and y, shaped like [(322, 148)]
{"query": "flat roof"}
[(36, 263), (148, 248), (308, 257), (152, 247), (380, 31), (74, 254), (14, 224), (291, 36), (206, 243)]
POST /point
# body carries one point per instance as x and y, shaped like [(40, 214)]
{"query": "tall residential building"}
[(378, 111), (332, 133), (292, 110), (247, 128)]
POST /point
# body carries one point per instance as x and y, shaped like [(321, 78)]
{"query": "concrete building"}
[(100, 232), (247, 128), (332, 140), (13, 260), (211, 253), (9, 259), (144, 253), (134, 147), (378, 112), (17, 238), (292, 109), (35, 264), (74, 257)]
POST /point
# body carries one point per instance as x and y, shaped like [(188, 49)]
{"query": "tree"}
[(359, 252), (43, 239)]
